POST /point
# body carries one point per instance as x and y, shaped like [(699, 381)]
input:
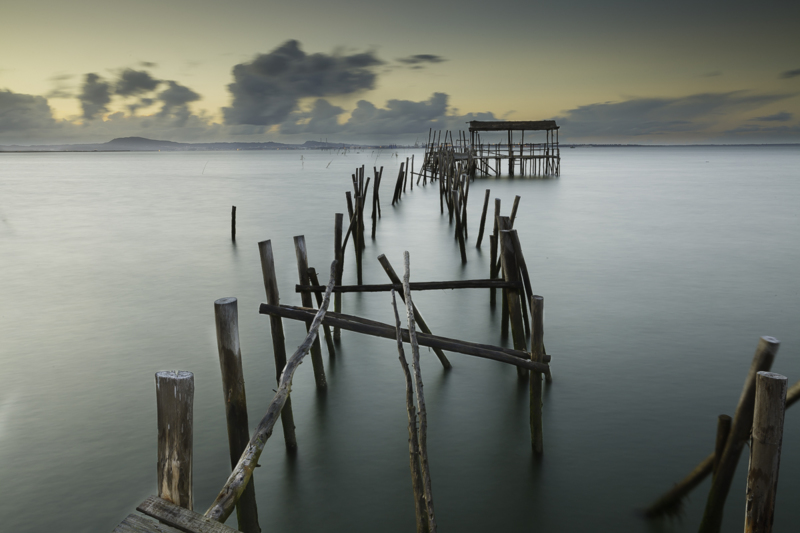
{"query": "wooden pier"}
[(484, 158)]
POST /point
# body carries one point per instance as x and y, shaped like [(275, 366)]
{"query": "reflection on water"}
[(659, 267)]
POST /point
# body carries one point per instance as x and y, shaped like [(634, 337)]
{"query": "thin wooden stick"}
[(416, 286), (423, 412), (302, 271), (226, 500), (483, 218), (312, 276), (420, 507)]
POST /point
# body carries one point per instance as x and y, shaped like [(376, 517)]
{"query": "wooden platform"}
[(170, 519)]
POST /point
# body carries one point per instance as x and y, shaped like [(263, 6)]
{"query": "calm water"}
[(660, 268)]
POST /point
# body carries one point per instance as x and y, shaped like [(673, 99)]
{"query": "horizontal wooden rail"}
[(386, 331), (418, 286)]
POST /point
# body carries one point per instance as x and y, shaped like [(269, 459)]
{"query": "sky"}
[(617, 71)]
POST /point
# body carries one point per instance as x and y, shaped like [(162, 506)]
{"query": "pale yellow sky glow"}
[(515, 59)]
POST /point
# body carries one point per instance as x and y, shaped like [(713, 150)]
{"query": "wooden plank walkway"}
[(171, 519)]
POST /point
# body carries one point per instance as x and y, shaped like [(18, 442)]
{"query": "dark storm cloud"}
[(95, 96), (322, 118), (399, 117), (23, 113), (175, 99), (134, 82), (148, 64), (420, 59), (656, 116), (786, 74), (777, 117), (267, 89)]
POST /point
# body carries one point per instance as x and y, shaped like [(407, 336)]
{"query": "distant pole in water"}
[(233, 223)]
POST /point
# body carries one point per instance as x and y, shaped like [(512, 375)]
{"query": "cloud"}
[(61, 89), (711, 74), (268, 88), (786, 74), (148, 64), (134, 82), (176, 98), (777, 117), (420, 59), (323, 117), (22, 114), (95, 96), (368, 122), (659, 116)]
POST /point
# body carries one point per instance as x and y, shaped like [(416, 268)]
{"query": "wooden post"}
[(278, 338), (312, 276), (233, 223), (387, 267), (723, 430), (493, 247), (765, 452), (483, 218), (302, 272), (338, 254), (514, 210), (740, 430), (226, 315), (174, 406), (511, 274), (537, 355)]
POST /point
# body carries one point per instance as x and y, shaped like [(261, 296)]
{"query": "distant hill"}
[(141, 144)]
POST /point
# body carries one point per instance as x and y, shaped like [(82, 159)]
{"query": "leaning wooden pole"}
[(420, 507), (765, 452), (387, 267), (423, 413), (278, 338), (312, 276), (226, 316), (740, 431), (174, 410), (226, 500)]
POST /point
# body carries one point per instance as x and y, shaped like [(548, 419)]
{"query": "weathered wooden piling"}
[(338, 254), (302, 272), (233, 222), (537, 355), (483, 219), (493, 250), (175, 413), (390, 272), (740, 431), (278, 338), (765, 452), (226, 316), (511, 274)]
